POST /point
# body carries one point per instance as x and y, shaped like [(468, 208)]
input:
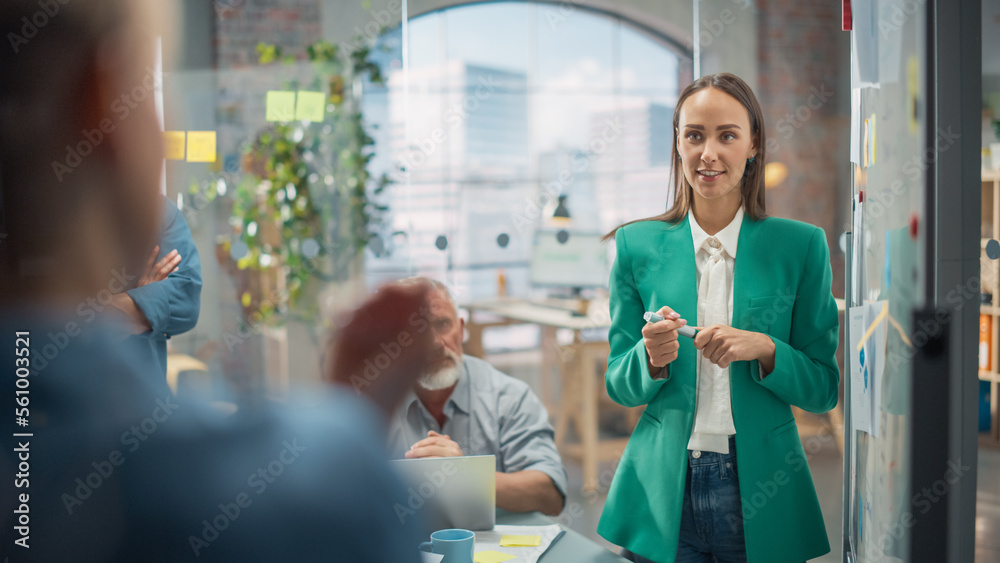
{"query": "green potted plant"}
[(307, 207)]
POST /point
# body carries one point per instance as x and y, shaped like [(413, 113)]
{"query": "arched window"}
[(504, 107)]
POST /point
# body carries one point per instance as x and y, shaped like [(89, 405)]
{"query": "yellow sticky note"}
[(491, 557), (873, 140), (912, 88), (311, 106), (280, 106), (201, 146), (867, 152), (173, 145), (520, 541)]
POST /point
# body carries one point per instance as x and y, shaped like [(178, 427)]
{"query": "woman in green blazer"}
[(670, 500)]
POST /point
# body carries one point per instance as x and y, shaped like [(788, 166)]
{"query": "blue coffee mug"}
[(455, 544)]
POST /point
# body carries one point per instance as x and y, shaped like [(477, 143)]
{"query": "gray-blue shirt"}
[(123, 471), (172, 304), (488, 413)]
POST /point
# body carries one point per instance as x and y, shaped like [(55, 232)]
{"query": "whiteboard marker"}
[(685, 330)]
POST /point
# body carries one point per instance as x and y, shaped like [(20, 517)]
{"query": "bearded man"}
[(462, 405)]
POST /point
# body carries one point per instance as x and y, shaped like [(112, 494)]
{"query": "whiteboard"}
[(889, 109)]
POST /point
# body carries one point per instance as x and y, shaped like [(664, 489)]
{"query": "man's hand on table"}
[(434, 445)]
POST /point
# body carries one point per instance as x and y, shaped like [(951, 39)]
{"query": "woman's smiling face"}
[(714, 141)]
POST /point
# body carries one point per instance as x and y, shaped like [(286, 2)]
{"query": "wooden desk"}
[(580, 364)]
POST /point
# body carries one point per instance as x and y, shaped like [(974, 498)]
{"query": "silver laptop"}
[(450, 492)]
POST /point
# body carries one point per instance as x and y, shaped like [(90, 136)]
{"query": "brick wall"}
[(804, 89), (241, 24)]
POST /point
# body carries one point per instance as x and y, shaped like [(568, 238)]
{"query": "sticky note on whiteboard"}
[(201, 146), (280, 106), (173, 145), (311, 106)]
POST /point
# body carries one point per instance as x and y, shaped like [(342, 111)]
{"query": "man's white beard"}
[(444, 377)]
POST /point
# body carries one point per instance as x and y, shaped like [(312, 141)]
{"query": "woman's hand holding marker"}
[(660, 338)]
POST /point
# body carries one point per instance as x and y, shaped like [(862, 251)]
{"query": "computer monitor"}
[(579, 262)]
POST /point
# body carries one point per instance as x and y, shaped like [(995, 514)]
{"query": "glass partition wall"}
[(449, 143), (319, 148)]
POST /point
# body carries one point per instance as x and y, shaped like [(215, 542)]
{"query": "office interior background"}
[(457, 141)]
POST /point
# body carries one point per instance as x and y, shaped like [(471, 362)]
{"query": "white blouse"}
[(714, 413)]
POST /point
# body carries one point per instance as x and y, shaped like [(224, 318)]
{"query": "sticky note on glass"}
[(201, 146), (520, 541), (173, 145), (912, 89), (874, 140), (311, 106), (280, 106), (491, 557)]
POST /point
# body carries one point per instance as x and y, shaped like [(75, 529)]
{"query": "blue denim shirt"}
[(120, 470), (171, 305)]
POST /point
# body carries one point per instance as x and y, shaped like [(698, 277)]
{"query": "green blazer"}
[(782, 288)]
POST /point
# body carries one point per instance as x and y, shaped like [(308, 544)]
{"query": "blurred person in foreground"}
[(108, 467), (464, 406)]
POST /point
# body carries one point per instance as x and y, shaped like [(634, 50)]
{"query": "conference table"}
[(572, 547)]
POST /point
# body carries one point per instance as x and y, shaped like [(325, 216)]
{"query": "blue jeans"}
[(712, 517)]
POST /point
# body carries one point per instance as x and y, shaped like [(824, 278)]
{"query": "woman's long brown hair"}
[(752, 187)]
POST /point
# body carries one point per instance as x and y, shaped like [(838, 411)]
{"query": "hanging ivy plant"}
[(307, 205)]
